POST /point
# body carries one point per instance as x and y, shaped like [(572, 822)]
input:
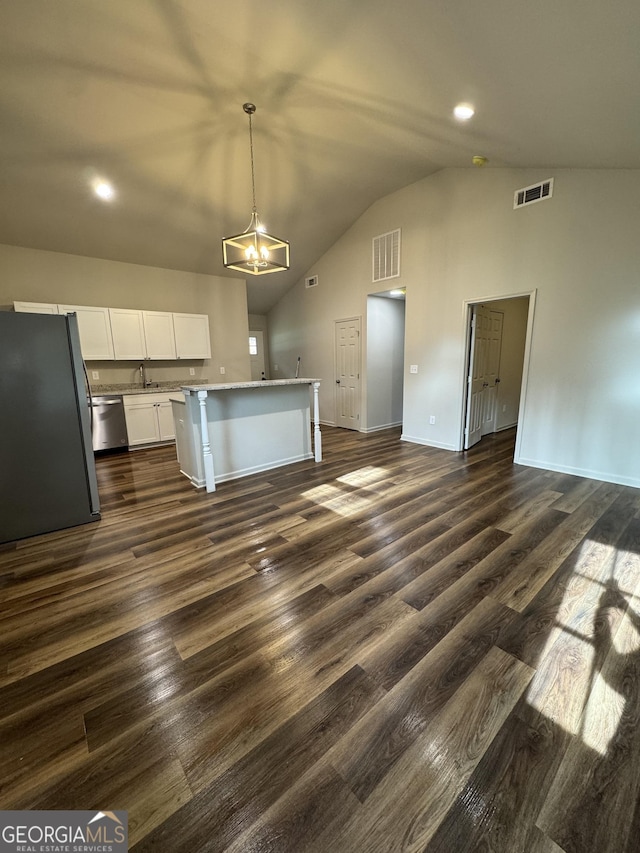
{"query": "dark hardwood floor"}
[(397, 649)]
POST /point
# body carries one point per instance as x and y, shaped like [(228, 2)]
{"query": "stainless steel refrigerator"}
[(47, 467)]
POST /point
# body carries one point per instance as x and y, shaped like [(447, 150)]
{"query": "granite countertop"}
[(154, 388), (230, 386)]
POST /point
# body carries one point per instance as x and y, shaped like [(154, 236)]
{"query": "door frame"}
[(467, 310)]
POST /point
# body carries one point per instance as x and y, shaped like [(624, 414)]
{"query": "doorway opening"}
[(385, 359), (498, 338), (256, 355)]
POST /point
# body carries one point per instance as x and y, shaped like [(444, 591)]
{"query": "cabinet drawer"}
[(132, 400)]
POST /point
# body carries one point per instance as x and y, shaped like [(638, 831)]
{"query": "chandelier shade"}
[(254, 252)]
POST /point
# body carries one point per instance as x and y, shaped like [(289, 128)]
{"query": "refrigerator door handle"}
[(88, 390)]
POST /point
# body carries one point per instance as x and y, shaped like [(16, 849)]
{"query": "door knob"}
[(337, 381)]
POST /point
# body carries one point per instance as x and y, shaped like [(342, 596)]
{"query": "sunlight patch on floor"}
[(578, 683), (363, 476), (338, 500), (343, 501)]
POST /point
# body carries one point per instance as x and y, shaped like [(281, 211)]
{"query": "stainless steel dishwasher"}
[(109, 429)]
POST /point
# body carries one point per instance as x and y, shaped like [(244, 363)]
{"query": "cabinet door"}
[(95, 331), (192, 335), (142, 424), (166, 426), (128, 333), (35, 307), (158, 334)]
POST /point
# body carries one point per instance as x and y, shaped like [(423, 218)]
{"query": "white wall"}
[(384, 362), (461, 241), (31, 275)]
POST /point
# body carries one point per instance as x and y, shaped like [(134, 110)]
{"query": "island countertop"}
[(231, 386)]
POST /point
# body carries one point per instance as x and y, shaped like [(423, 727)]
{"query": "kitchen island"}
[(230, 430)]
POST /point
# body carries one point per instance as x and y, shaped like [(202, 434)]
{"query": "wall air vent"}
[(386, 256), (532, 194), (311, 281)]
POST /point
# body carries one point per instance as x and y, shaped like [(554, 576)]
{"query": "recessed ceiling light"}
[(103, 189), (463, 112), (396, 293)]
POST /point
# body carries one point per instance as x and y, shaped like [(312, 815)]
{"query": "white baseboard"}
[(257, 469), (604, 476), (440, 444), (380, 428)]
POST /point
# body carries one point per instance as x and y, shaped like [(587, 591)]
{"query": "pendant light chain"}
[(253, 176)]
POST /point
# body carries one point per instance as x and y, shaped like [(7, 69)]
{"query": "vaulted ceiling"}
[(354, 100)]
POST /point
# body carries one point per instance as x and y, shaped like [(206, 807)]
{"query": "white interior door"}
[(476, 381), (256, 356), (347, 360), (492, 372), (483, 379)]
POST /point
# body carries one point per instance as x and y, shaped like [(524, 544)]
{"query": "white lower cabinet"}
[(149, 418), (166, 428)]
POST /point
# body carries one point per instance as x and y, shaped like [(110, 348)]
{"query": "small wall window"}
[(253, 345)]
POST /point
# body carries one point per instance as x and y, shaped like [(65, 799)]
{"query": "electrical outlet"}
[(504, 407), (413, 368), (275, 367), (432, 419), (222, 370), (192, 371), (95, 374)]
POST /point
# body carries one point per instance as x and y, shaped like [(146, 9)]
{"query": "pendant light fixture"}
[(254, 252)]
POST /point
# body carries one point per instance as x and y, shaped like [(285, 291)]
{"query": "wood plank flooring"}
[(397, 649)]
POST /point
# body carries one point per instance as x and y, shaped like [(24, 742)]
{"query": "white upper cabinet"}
[(142, 334), (94, 324), (128, 333), (158, 334), (35, 307), (192, 335)]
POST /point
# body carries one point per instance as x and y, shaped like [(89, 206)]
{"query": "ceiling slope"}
[(354, 100)]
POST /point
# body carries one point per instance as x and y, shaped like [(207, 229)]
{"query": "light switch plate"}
[(222, 370), (192, 371), (95, 374), (413, 368)]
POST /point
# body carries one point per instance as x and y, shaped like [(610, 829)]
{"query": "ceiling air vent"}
[(386, 256), (532, 194), (311, 281)]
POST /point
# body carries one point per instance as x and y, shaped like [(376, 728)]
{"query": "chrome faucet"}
[(143, 377)]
